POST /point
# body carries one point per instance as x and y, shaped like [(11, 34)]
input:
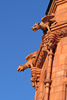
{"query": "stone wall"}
[(59, 71)]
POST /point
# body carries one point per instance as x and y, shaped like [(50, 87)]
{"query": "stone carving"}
[(49, 41), (41, 64), (45, 24), (31, 59), (35, 72)]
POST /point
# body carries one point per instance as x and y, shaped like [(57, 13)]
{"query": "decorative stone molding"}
[(54, 5), (47, 81), (35, 73)]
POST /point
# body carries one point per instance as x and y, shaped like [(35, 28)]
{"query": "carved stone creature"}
[(45, 24), (30, 58)]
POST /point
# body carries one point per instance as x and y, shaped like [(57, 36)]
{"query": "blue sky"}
[(17, 40)]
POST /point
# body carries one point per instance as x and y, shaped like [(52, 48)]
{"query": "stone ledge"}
[(59, 25)]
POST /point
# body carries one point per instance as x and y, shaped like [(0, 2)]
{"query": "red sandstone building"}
[(49, 65)]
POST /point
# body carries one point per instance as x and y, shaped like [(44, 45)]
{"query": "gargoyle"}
[(45, 24), (30, 58)]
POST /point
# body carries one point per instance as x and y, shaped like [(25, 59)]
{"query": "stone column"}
[(48, 78)]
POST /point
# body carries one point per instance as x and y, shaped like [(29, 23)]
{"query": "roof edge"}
[(48, 8)]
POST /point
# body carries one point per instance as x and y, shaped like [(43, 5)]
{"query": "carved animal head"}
[(35, 27), (45, 24), (30, 59)]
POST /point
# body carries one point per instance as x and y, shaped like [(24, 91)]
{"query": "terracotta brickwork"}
[(49, 65)]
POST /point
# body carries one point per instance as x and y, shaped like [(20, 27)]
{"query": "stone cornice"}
[(55, 4), (59, 2), (59, 25)]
